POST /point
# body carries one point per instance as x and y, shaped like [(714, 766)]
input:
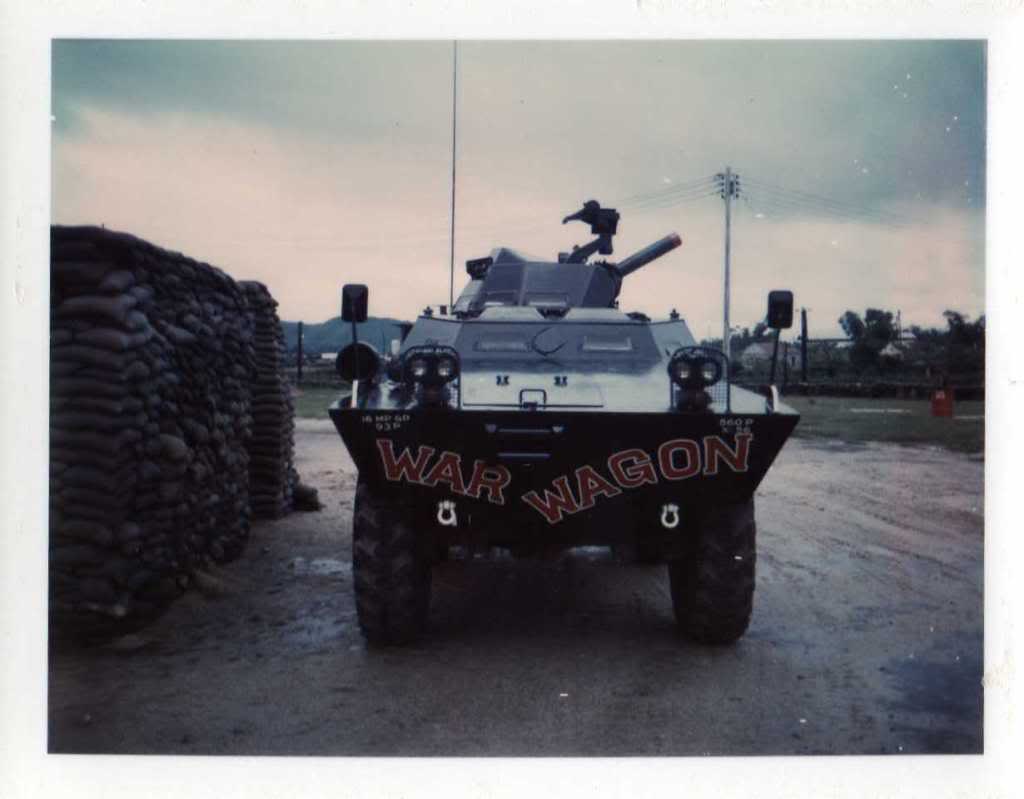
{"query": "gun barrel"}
[(648, 254)]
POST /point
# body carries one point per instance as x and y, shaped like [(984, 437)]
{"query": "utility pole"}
[(729, 187), (803, 345), (298, 362)]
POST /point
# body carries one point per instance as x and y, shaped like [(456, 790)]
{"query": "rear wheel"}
[(713, 588), (390, 569)]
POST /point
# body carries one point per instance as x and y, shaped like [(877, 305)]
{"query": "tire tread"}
[(390, 573), (713, 589)]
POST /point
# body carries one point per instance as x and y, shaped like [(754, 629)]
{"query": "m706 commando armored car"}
[(534, 415)]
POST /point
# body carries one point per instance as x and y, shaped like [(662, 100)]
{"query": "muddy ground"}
[(866, 638)]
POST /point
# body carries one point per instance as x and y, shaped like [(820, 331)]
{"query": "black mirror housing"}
[(354, 302), (780, 309)]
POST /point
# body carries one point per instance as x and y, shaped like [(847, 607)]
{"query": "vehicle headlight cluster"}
[(433, 367), (693, 371), (694, 368)]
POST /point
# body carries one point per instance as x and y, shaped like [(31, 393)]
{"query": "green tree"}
[(869, 335), (957, 350), (965, 349), (852, 325)]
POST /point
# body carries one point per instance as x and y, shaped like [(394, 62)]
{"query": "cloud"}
[(310, 166)]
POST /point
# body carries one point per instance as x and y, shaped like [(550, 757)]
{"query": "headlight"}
[(418, 368), (445, 368), (694, 370), (427, 366), (681, 371), (710, 372)]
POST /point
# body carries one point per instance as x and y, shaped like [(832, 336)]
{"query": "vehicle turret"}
[(507, 277)]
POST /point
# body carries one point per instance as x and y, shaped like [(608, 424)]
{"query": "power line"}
[(708, 191), (791, 205), (809, 195), (675, 188), (784, 206), (815, 197), (816, 202)]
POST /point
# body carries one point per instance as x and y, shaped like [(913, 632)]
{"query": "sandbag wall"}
[(152, 360), (272, 476)]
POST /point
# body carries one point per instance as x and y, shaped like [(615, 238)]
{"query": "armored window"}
[(503, 284), (607, 343), (540, 299), (465, 300), (500, 298), (501, 344)]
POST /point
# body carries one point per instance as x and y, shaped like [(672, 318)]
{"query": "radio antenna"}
[(451, 261)]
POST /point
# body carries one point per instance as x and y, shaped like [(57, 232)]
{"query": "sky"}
[(307, 165)]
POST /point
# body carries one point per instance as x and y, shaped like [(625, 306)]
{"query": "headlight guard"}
[(430, 367), (699, 377)]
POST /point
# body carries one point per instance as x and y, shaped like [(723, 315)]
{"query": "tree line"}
[(876, 347), (959, 348)]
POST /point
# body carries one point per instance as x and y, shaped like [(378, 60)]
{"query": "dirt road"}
[(866, 638)]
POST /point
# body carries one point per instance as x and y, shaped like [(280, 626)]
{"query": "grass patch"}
[(890, 420), (311, 402)]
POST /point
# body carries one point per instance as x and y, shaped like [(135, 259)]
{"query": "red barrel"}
[(942, 402)]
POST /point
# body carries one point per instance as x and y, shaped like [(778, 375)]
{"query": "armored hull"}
[(515, 476), (536, 449)]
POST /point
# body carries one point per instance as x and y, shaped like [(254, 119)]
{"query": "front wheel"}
[(390, 569), (713, 588)]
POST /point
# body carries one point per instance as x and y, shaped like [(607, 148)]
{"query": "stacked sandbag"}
[(151, 361), (272, 476)]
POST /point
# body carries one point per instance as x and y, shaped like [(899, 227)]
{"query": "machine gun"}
[(604, 223)]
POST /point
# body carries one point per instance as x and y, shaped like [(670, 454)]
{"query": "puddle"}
[(941, 690), (320, 566), (592, 553), (946, 687)]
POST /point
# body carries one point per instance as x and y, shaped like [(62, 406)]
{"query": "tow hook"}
[(670, 516), (446, 513)]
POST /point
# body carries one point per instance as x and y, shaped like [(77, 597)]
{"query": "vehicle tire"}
[(390, 569), (713, 588)]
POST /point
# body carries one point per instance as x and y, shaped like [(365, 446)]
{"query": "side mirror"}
[(354, 301), (780, 310)]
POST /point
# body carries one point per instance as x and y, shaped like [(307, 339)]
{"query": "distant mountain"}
[(332, 335)]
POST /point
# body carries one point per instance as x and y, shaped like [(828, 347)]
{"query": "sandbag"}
[(112, 308)]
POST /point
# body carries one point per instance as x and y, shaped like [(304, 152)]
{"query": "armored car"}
[(535, 416)]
